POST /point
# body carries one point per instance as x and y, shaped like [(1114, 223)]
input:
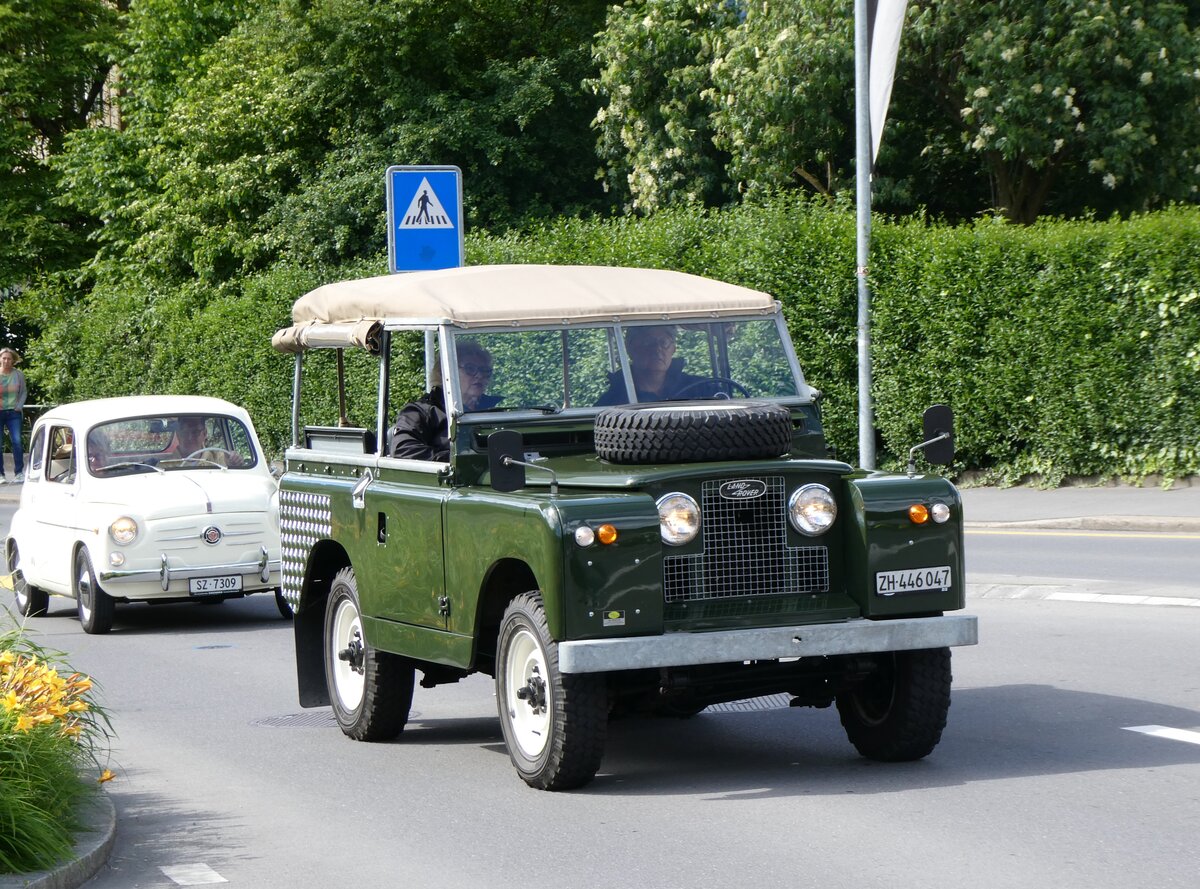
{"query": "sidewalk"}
[(1103, 508)]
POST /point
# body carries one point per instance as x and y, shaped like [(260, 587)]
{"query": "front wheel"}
[(31, 602), (371, 691), (94, 605), (897, 714), (554, 724)]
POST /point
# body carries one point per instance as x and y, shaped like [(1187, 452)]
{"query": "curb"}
[(92, 847)]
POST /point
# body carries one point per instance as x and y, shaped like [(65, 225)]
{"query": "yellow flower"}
[(106, 775), (10, 702), (24, 723)]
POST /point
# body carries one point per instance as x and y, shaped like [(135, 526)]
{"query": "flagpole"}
[(862, 117)]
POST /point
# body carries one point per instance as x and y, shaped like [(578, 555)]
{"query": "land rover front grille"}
[(745, 550)]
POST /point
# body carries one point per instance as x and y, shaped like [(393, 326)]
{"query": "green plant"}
[(51, 733)]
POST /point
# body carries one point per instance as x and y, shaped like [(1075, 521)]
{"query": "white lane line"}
[(192, 874), (1165, 731)]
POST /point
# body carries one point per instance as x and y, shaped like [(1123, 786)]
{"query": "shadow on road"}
[(1009, 731)]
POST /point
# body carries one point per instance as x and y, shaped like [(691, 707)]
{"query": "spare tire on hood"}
[(692, 431)]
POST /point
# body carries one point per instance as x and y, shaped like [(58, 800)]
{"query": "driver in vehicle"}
[(422, 430), (191, 437), (657, 374)]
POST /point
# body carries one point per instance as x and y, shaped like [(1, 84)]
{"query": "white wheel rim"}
[(526, 663), (347, 629), (85, 591)]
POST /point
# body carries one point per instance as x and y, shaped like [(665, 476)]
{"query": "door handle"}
[(358, 496)]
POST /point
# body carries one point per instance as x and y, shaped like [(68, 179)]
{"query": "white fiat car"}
[(144, 498)]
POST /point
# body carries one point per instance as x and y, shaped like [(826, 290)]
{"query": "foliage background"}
[(1065, 348), (241, 155)]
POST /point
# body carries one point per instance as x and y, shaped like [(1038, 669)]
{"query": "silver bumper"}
[(263, 567), (857, 636)]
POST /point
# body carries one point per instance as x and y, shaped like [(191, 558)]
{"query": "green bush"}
[(1065, 348), (51, 732)]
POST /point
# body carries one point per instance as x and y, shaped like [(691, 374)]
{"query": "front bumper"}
[(263, 568), (858, 636)]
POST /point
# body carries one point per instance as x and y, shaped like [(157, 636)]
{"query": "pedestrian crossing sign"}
[(424, 208)]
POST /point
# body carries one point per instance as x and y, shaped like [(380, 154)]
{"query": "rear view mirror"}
[(939, 434), (506, 452)]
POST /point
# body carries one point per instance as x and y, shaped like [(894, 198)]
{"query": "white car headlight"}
[(812, 509), (124, 530), (678, 519)]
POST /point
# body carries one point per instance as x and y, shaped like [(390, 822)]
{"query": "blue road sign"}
[(424, 208)]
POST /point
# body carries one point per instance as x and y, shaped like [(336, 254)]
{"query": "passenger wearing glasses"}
[(421, 431)]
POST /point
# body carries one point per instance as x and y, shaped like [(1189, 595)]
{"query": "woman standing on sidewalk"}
[(12, 407)]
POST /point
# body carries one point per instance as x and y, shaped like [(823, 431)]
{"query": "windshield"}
[(169, 443), (581, 367)]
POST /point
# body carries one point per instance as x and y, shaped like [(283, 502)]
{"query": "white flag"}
[(886, 18)]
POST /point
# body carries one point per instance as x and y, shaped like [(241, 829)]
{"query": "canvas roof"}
[(351, 312)]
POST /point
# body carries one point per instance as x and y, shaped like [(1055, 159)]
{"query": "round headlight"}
[(124, 530), (678, 519), (585, 536), (940, 512), (812, 509)]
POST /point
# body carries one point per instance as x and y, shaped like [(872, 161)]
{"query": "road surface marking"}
[(1165, 731), (1046, 532), (192, 874)]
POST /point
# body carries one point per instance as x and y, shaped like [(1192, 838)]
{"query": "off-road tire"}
[(94, 606), (372, 691), (31, 602), (898, 713), (692, 432), (555, 742)]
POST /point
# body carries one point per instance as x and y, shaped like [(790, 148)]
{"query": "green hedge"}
[(1065, 348)]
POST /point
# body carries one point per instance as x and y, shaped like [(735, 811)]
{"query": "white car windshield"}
[(169, 443), (581, 367)]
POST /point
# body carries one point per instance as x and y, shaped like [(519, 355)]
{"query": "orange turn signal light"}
[(606, 534), (919, 513)]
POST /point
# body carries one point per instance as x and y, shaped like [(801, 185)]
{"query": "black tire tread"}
[(388, 687), (667, 433), (581, 710), (37, 602), (101, 620), (914, 726)]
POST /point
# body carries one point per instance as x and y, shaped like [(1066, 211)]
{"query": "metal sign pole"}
[(862, 108)]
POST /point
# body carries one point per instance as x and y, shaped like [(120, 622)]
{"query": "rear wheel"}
[(31, 602), (94, 605), (284, 606), (899, 712), (371, 690), (554, 724)]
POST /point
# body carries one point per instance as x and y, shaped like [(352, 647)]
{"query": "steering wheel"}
[(197, 455), (715, 383)]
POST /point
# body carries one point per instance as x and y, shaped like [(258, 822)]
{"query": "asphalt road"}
[(1040, 779)]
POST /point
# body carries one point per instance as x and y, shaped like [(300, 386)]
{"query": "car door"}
[(402, 507), (55, 508)]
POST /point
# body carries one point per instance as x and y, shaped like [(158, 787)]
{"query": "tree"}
[(1101, 95), (1017, 105), (55, 59), (656, 142)]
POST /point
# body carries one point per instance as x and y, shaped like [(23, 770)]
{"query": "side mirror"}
[(506, 454), (939, 422)]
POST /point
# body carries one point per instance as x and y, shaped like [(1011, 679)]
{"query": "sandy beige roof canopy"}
[(350, 313)]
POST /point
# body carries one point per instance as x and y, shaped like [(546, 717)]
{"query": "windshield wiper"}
[(544, 408), (127, 464)]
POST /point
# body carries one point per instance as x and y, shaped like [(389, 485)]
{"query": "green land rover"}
[(641, 515)]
